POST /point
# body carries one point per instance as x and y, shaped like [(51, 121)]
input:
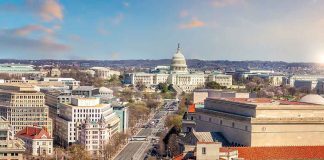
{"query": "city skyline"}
[(209, 30)]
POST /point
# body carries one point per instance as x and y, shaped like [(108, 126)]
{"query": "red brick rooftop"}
[(276, 153), (192, 108)]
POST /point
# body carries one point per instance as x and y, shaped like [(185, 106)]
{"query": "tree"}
[(152, 104), (292, 91), (213, 85), (98, 82), (173, 146), (251, 86), (174, 120), (78, 152), (163, 87), (140, 86)]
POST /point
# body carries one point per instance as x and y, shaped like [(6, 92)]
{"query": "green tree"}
[(174, 120), (163, 87), (213, 85)]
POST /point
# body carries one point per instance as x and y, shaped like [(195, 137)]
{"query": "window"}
[(210, 119), (203, 150), (221, 122), (233, 124), (246, 128)]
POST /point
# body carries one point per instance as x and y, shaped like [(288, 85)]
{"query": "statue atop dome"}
[(178, 64)]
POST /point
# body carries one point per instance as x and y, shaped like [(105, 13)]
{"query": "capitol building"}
[(178, 75)]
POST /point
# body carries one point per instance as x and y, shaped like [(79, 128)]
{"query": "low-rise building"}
[(86, 91), (105, 73), (19, 69), (264, 122), (38, 142), (71, 82), (10, 147)]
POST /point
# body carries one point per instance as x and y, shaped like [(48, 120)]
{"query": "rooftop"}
[(289, 152), (33, 133), (85, 88), (265, 101), (192, 108), (17, 87)]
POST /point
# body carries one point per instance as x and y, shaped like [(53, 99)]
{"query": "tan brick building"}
[(23, 106), (264, 122)]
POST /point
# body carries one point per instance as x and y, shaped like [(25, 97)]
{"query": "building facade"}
[(10, 147), (264, 122), (105, 73), (72, 115), (95, 135), (23, 106), (178, 75), (38, 142)]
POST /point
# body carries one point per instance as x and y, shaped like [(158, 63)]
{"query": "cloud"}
[(126, 4), (29, 29), (117, 19), (195, 23), (183, 13), (47, 10), (23, 40), (225, 3), (102, 31), (75, 37)]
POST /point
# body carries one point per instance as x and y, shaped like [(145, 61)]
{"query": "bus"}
[(139, 138)]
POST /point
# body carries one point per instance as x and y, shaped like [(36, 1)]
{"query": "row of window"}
[(27, 97), (221, 122), (86, 110), (85, 115), (8, 154)]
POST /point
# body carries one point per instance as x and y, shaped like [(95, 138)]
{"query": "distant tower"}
[(178, 64)]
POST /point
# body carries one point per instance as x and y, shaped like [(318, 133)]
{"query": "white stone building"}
[(95, 135), (179, 76), (38, 141), (263, 121), (104, 73), (74, 114)]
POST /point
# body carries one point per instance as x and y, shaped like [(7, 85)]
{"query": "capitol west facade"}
[(178, 75)]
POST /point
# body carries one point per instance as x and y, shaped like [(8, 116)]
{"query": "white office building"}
[(74, 114)]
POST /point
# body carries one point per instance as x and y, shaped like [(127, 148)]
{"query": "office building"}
[(263, 121), (72, 115), (23, 106), (10, 148)]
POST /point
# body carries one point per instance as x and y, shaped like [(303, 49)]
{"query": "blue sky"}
[(286, 30)]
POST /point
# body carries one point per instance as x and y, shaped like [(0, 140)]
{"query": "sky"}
[(270, 30)]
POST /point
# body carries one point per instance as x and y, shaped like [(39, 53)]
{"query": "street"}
[(136, 149)]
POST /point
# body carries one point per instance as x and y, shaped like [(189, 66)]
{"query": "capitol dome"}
[(178, 63), (312, 98)]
